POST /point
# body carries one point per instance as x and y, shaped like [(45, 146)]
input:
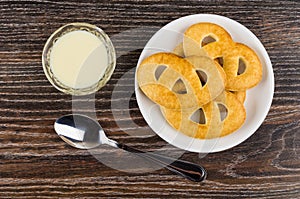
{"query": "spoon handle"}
[(186, 169)]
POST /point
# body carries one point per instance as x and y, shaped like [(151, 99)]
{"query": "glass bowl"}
[(103, 37)]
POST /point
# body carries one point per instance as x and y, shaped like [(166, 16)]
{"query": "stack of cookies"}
[(201, 86)]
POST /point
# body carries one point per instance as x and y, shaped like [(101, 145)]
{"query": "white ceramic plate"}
[(258, 99)]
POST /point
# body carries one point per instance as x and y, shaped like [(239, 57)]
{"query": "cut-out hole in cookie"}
[(207, 40), (159, 70), (242, 67), (179, 87), (198, 117), (220, 61), (223, 111), (202, 77)]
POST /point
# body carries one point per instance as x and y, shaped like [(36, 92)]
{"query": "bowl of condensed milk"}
[(78, 58)]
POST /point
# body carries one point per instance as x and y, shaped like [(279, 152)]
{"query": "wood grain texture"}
[(36, 163)]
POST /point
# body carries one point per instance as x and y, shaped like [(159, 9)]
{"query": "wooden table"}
[(35, 162)]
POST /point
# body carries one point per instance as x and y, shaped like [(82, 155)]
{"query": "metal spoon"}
[(85, 133)]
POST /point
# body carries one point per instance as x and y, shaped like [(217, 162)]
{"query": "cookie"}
[(214, 125), (161, 90), (232, 54)]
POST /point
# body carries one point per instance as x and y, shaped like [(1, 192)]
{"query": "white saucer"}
[(258, 100)]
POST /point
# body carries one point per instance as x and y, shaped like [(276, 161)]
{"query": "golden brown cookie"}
[(231, 52), (214, 125), (161, 90)]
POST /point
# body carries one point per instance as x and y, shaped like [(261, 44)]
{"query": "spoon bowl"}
[(73, 130)]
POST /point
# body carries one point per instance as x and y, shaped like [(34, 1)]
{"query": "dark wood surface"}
[(34, 162)]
